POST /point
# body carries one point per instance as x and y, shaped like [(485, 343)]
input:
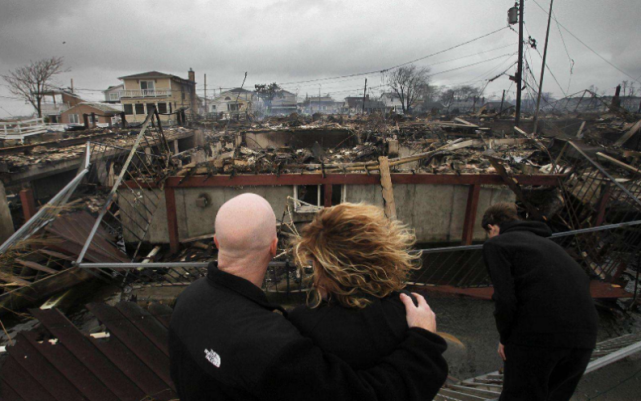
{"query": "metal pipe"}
[(155, 265), (111, 195), (70, 187)]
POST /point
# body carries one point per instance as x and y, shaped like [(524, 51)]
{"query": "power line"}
[(396, 66), (584, 44)]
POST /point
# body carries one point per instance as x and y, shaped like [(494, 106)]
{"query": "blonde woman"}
[(361, 261)]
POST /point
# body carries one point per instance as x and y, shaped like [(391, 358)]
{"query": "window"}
[(147, 85), (150, 107), (114, 97), (162, 108), (213, 108), (140, 109), (73, 119), (94, 119), (170, 111), (313, 197), (129, 109)]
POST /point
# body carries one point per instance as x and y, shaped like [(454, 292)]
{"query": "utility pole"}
[(71, 85), (206, 109), (502, 100), (319, 97), (364, 92), (519, 72), (545, 53)]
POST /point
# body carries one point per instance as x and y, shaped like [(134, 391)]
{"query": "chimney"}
[(192, 75)]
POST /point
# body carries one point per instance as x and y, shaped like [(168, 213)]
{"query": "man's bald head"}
[(245, 225)]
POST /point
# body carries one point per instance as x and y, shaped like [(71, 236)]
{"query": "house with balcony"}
[(54, 103), (165, 91)]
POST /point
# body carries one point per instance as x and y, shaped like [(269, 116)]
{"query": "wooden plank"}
[(85, 351), (161, 312), (55, 254), (42, 371), (7, 393), (471, 210), (618, 163), (74, 370), (23, 383), (388, 189), (133, 338), (628, 135), (11, 279), (36, 266), (135, 369), (147, 324), (579, 135)]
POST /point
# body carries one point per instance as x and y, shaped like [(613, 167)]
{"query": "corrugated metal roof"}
[(131, 364)]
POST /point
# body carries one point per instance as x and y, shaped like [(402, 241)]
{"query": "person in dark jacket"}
[(544, 312), (227, 342), (361, 261)]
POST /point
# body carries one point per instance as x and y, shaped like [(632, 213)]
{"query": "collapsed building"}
[(136, 207)]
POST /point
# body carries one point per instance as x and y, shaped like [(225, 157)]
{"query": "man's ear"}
[(216, 242), (273, 247)]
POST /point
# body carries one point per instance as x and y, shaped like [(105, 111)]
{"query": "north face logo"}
[(212, 357)]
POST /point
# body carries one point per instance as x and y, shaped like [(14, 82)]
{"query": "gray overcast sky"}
[(296, 40)]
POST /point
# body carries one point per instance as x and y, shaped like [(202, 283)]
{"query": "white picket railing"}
[(21, 129), (145, 93)]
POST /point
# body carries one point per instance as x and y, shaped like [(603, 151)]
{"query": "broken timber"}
[(388, 190)]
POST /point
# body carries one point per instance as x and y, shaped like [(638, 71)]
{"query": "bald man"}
[(226, 343)]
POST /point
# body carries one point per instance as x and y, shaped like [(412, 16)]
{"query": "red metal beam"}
[(172, 219), (28, 203), (352, 179), (327, 201), (470, 213)]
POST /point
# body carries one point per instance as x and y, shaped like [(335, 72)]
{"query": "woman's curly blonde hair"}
[(355, 252)]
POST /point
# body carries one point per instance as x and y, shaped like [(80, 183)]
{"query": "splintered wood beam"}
[(618, 163), (628, 135), (388, 189), (36, 266)]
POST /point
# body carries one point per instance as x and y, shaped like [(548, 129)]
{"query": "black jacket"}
[(226, 343), (542, 296), (363, 337)]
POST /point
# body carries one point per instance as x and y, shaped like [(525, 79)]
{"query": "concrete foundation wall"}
[(193, 221), (436, 212)]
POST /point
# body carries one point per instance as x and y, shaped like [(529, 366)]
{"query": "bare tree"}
[(409, 84), (32, 81)]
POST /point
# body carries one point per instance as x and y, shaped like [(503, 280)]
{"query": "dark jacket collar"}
[(239, 285), (535, 227)]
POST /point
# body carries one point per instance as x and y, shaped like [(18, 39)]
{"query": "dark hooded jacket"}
[(542, 296)]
